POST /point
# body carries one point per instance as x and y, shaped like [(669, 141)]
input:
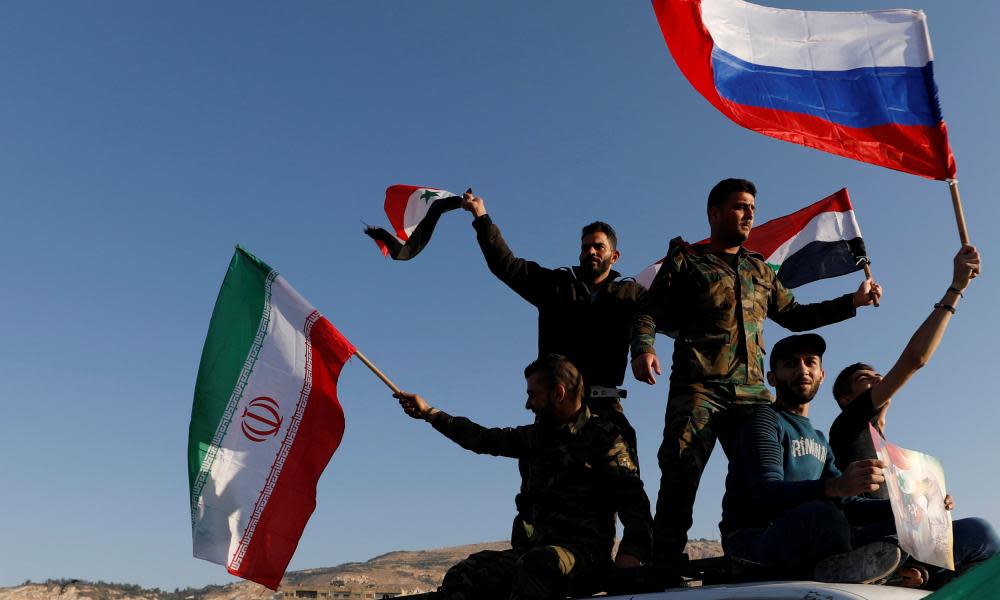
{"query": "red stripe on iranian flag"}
[(287, 502)]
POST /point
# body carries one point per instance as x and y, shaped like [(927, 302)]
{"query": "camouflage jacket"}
[(716, 314), (590, 329), (578, 476)]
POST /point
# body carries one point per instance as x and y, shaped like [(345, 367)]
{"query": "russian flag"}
[(819, 241), (856, 84)]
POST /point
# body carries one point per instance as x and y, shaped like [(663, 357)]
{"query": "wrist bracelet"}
[(947, 307), (952, 288)]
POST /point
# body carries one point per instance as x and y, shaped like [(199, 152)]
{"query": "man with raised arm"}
[(789, 513), (864, 395), (714, 298), (584, 313), (579, 472)]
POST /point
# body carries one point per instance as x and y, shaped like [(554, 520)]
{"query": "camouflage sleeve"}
[(785, 311), (530, 280), (653, 306), (512, 442), (621, 476)]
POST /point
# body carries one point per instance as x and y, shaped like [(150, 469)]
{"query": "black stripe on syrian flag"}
[(413, 212), (820, 241)]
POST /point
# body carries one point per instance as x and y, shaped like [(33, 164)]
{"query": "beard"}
[(592, 271), (795, 395)]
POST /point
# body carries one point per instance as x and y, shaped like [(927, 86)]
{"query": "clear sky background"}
[(139, 142)]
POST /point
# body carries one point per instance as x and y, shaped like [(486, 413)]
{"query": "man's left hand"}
[(949, 502), (868, 292), (626, 561)]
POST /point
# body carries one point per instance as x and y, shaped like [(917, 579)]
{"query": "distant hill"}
[(409, 571)]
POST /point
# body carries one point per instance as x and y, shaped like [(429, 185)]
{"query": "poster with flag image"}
[(917, 492), (820, 241), (264, 423)]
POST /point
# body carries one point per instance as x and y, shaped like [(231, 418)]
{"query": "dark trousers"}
[(793, 543), (698, 414), (540, 573)]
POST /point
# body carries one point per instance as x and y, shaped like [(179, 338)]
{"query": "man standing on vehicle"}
[(579, 473), (714, 297)]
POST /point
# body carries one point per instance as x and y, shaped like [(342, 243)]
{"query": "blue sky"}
[(141, 142)]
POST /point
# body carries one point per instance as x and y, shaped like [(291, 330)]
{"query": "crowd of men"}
[(793, 507)]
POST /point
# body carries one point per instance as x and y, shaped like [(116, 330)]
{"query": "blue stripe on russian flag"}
[(860, 98)]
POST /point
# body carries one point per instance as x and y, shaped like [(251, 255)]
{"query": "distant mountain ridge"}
[(410, 571)]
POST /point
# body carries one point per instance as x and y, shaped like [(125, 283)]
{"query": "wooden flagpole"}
[(378, 373), (956, 202)]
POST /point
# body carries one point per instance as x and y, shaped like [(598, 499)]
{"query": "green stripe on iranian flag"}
[(265, 399)]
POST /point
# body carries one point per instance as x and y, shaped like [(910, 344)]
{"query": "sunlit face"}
[(732, 220), (797, 377), (861, 380), (596, 255)]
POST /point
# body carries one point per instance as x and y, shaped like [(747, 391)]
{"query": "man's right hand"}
[(474, 204), (413, 405), (645, 367), (859, 477)]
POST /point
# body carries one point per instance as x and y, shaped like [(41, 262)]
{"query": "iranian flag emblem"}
[(265, 421)]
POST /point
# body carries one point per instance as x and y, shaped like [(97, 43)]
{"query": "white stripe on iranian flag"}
[(242, 477), (816, 40), (824, 227), (417, 205)]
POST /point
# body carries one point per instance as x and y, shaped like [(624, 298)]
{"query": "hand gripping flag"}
[(413, 212), (265, 421), (856, 84), (820, 241)]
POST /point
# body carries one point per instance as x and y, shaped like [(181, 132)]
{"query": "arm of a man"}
[(512, 442), (655, 305), (630, 501), (530, 280), (926, 339), (785, 311)]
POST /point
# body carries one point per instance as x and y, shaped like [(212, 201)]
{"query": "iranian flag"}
[(265, 421), (820, 241), (413, 212)]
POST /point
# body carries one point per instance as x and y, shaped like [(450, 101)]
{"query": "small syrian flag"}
[(820, 241), (413, 212), (265, 421)]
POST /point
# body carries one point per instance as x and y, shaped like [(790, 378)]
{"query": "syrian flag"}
[(413, 212), (265, 421), (858, 84), (820, 241)]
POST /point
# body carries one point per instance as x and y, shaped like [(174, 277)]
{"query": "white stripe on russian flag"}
[(818, 41)]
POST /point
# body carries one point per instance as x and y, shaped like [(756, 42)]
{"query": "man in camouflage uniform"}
[(584, 313), (579, 472), (713, 298)]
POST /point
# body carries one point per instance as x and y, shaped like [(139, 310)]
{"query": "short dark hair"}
[(725, 187), (555, 369), (602, 227), (842, 384)]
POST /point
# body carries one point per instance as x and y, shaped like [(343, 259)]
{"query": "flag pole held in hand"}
[(868, 275), (377, 371)]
